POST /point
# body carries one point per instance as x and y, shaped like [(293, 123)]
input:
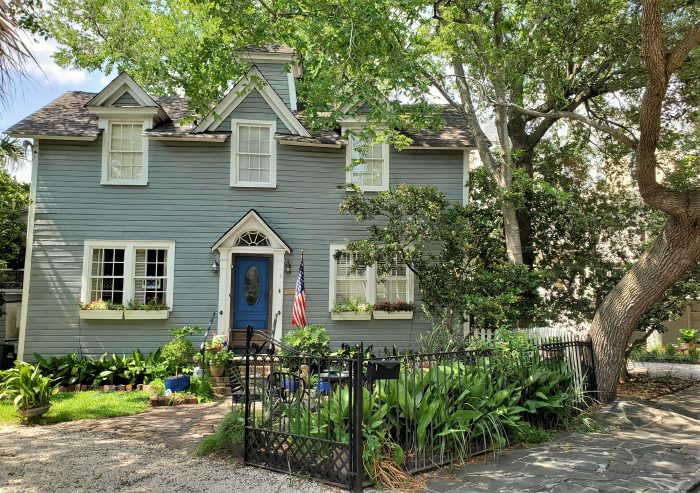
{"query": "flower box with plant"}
[(393, 310), (151, 310), (28, 389), (217, 361), (353, 309), (100, 309), (179, 353)]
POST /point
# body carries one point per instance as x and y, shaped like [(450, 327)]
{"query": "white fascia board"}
[(123, 80), (238, 93)]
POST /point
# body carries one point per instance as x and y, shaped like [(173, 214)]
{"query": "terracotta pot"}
[(33, 412), (216, 371), (128, 387)]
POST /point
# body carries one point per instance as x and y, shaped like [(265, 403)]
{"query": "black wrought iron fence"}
[(340, 419)]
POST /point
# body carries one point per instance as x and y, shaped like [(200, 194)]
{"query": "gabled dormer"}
[(280, 67), (124, 112)]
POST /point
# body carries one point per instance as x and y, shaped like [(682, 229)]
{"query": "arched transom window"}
[(252, 238)]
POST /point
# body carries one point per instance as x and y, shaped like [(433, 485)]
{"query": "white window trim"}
[(129, 256), (372, 278), (385, 168), (235, 123), (106, 125)]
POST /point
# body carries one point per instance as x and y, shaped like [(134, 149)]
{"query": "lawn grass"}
[(72, 406)]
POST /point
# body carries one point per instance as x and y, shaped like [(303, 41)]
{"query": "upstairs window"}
[(253, 154), (124, 154), (368, 165)]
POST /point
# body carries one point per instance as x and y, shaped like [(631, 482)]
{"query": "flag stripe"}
[(299, 310)]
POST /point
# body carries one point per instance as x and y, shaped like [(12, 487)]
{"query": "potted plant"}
[(179, 353), (217, 343), (393, 310), (29, 390), (688, 339), (153, 309), (101, 309), (217, 362), (353, 309)]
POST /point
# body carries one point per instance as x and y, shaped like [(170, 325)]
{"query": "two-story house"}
[(133, 203)]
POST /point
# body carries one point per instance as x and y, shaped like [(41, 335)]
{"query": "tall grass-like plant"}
[(26, 386)]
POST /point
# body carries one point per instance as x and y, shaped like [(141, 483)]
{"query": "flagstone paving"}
[(179, 426), (647, 447)]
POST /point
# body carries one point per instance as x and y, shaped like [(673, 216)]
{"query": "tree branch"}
[(681, 51), (630, 142)]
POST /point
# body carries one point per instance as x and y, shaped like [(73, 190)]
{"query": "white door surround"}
[(268, 243)]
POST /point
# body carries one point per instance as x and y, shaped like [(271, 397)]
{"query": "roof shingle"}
[(67, 116)]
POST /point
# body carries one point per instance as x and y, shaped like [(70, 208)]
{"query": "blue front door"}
[(251, 292)]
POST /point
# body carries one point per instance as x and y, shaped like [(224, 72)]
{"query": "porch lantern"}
[(215, 267)]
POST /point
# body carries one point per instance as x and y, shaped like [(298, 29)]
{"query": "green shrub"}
[(670, 349), (179, 352), (156, 388), (688, 336), (201, 387), (229, 432), (311, 339)]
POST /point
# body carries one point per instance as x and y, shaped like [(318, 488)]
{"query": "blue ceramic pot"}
[(177, 384)]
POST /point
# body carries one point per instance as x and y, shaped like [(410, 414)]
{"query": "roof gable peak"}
[(121, 85), (252, 80)]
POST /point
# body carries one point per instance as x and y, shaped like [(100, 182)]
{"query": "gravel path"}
[(50, 459)]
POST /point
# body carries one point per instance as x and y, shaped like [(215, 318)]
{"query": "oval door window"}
[(251, 285)]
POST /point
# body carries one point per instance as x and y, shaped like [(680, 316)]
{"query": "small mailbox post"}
[(383, 370)]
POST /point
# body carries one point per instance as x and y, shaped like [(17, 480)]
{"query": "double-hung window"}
[(368, 165), (253, 154), (121, 272), (351, 283), (125, 154)]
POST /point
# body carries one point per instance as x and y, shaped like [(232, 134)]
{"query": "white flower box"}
[(351, 315), (146, 314), (101, 314), (382, 315)]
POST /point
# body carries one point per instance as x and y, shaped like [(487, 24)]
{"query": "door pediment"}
[(251, 231)]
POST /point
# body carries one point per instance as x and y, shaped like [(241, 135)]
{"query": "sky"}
[(45, 81)]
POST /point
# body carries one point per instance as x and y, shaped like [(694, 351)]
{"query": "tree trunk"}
[(512, 233), (676, 250)]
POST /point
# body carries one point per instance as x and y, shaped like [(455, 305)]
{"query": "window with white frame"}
[(253, 154), (348, 281), (125, 154), (392, 282), (124, 271), (368, 165)]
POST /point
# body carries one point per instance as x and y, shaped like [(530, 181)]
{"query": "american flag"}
[(299, 311)]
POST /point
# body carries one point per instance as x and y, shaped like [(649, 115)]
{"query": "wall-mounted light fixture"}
[(215, 267), (287, 266)]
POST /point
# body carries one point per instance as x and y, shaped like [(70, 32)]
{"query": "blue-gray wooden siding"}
[(126, 99), (188, 199)]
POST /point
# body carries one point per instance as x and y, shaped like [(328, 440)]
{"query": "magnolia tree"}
[(529, 66)]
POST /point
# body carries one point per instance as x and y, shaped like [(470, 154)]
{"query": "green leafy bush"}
[(688, 336), (311, 339), (156, 388), (179, 352), (229, 432), (26, 386), (219, 358), (201, 387), (127, 369)]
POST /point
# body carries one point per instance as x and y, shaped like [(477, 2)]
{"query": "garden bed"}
[(649, 388)]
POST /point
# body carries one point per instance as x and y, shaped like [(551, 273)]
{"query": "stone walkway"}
[(666, 369), (647, 447), (179, 426)]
